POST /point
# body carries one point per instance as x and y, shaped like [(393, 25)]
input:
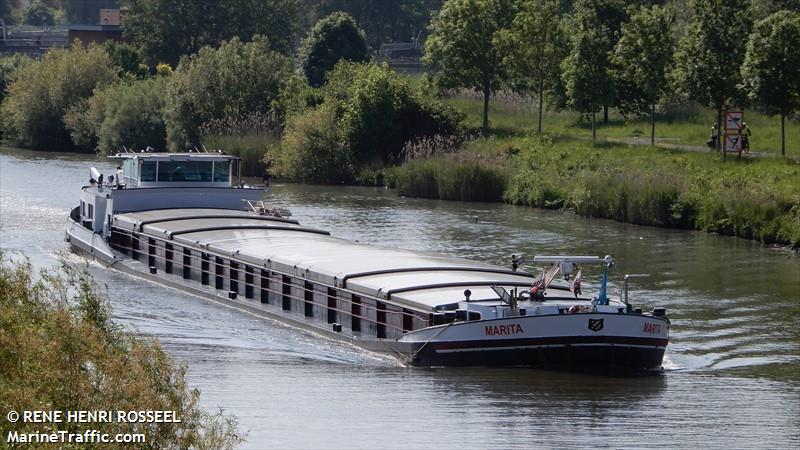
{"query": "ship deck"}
[(417, 279)]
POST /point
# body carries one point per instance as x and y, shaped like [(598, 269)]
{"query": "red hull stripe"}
[(563, 340)]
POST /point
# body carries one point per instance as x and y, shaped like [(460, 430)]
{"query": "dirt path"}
[(664, 143)]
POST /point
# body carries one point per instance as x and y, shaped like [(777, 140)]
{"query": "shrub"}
[(133, 116), (312, 149), (333, 38), (127, 58), (38, 14), (43, 91), (233, 80), (378, 112), (59, 348)]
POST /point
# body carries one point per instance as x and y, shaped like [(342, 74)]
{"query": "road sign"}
[(734, 120), (732, 143)]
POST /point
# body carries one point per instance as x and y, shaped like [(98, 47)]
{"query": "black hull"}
[(594, 359)]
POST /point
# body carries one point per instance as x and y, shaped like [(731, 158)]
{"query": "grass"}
[(514, 115), (449, 179)]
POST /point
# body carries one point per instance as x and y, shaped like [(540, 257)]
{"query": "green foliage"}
[(334, 38), (464, 46), (9, 65), (312, 149), (751, 199), (6, 12), (771, 64), (709, 54), (378, 112), (40, 15), (42, 92), (450, 179), (295, 97), (84, 11), (534, 46), (127, 58), (587, 71), (168, 29), (384, 21), (250, 148), (232, 81), (133, 116), (642, 58), (59, 348)]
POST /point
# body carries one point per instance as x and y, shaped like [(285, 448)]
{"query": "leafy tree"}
[(709, 54), (6, 12), (232, 81), (333, 38), (642, 57), (41, 93), (384, 21), (85, 11), (534, 45), (378, 112), (587, 71), (464, 49), (133, 116), (772, 64), (168, 29), (40, 15), (9, 65), (127, 58)]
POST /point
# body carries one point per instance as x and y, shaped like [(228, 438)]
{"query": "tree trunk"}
[(594, 131), (653, 125), (720, 127), (486, 93), (605, 113), (783, 134), (541, 103)]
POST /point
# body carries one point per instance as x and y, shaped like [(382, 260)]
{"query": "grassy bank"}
[(60, 351), (513, 115), (751, 198)]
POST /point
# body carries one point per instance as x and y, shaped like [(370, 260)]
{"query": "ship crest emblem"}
[(596, 324)]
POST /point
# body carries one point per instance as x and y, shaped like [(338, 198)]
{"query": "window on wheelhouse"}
[(148, 172), (222, 171), (185, 171)]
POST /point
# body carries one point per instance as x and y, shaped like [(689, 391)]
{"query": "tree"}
[(6, 12), (9, 65), (464, 47), (772, 64), (333, 38), (127, 58), (231, 81), (85, 11), (42, 92), (709, 54), (587, 71), (38, 14), (167, 29), (534, 46), (384, 21), (641, 59)]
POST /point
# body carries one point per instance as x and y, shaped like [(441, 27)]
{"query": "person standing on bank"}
[(745, 137)]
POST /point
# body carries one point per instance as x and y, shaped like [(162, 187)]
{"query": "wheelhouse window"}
[(148, 172), (222, 171), (185, 171)]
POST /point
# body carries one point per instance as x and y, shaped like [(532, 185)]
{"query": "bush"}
[(233, 80), (312, 149), (43, 91), (59, 349), (333, 38), (38, 14), (127, 59), (378, 112), (133, 116), (250, 148)]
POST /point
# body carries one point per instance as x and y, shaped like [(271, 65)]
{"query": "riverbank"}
[(60, 351), (755, 199)]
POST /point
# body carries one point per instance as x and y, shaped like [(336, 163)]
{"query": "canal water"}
[(732, 370)]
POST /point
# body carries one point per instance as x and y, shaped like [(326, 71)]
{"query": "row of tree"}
[(621, 53)]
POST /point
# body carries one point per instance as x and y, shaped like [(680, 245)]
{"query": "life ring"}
[(574, 309)]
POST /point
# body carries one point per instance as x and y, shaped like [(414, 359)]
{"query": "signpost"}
[(733, 123)]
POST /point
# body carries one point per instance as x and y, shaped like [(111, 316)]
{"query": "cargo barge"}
[(187, 221)]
